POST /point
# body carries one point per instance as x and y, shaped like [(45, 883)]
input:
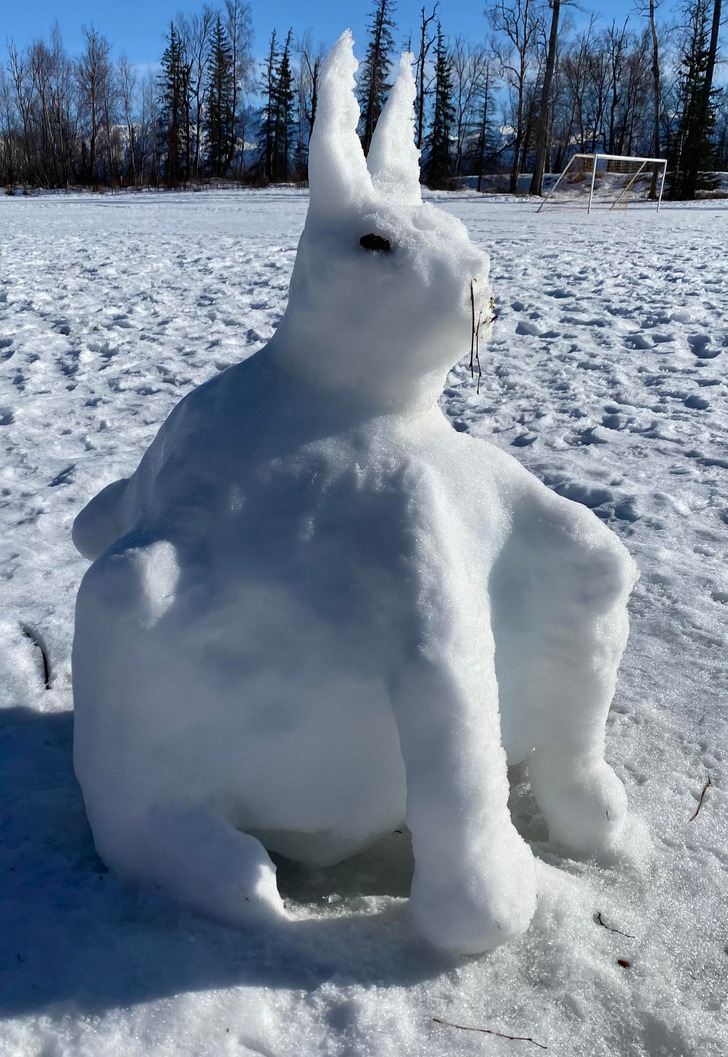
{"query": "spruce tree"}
[(486, 141), (173, 107), (695, 151), (219, 125), (443, 116), (374, 77), (284, 125), (269, 88)]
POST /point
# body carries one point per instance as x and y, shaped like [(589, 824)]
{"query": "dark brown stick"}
[(487, 1031), (600, 921), (472, 327), (477, 351), (700, 802)]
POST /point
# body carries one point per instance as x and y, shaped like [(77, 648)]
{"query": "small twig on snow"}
[(487, 1031), (600, 921), (700, 802)]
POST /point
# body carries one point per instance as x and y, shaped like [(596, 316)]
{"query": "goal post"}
[(611, 181)]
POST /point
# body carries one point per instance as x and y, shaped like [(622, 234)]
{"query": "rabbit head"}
[(385, 287)]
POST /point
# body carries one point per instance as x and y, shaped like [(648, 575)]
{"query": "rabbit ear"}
[(394, 160), (338, 175)]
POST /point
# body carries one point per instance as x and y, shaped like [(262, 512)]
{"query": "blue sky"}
[(136, 27)]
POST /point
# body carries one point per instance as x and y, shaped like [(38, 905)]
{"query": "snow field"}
[(151, 307)]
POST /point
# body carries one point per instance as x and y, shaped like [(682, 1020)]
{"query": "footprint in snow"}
[(615, 420), (528, 328), (701, 347), (66, 366), (587, 494), (579, 321), (593, 435), (627, 510), (637, 341)]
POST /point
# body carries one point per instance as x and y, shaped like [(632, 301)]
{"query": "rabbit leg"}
[(579, 610), (144, 798), (99, 524), (197, 856), (474, 883)]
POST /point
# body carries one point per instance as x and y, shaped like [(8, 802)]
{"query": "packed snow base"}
[(606, 377), (313, 602)]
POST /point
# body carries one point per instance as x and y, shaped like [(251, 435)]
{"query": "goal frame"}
[(595, 158)]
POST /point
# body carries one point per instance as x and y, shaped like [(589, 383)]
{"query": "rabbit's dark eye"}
[(375, 242)]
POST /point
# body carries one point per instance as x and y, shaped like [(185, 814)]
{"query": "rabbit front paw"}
[(583, 801), (477, 910)]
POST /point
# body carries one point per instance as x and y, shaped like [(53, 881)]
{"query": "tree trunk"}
[(515, 168), (370, 118), (656, 97), (424, 48), (543, 117), (483, 131), (712, 53)]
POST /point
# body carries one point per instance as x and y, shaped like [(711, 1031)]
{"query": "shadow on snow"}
[(74, 935)]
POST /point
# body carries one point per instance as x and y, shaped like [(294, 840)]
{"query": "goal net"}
[(606, 181)]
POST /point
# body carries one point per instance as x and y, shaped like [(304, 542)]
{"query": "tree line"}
[(533, 91)]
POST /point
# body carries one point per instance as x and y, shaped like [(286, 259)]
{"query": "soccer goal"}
[(608, 181)]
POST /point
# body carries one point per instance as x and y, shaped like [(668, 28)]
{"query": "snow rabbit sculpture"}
[(316, 610)]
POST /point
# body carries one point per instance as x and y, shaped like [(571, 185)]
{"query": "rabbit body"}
[(315, 610)]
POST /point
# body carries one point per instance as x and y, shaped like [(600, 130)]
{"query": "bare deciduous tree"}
[(516, 26), (93, 71), (239, 26), (127, 82), (470, 70), (194, 31), (310, 58), (427, 39), (545, 104)]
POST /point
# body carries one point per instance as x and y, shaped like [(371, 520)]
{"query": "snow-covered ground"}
[(606, 377)]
